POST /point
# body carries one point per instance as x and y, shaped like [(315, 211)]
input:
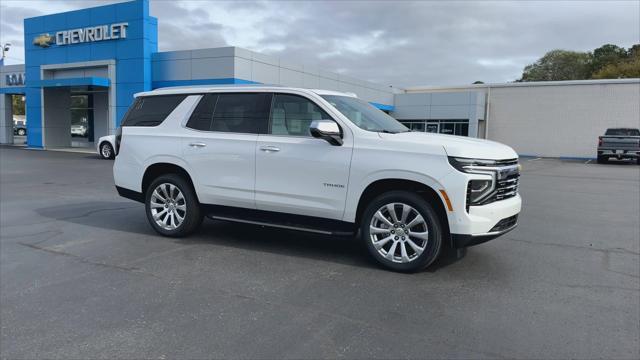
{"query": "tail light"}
[(118, 139), (599, 141)]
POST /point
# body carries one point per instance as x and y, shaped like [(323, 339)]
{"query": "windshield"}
[(623, 132), (365, 115)]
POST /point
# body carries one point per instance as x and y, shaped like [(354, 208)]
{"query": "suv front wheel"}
[(402, 231), (172, 207)]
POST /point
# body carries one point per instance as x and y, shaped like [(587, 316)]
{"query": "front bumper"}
[(501, 228)]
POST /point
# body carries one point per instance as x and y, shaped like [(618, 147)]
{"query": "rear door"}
[(219, 146), (296, 173)]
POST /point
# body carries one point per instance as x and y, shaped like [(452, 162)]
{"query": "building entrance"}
[(75, 116)]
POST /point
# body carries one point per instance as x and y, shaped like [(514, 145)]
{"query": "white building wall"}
[(561, 120), (239, 63)]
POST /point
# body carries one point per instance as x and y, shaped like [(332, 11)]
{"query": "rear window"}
[(623, 132), (151, 110)]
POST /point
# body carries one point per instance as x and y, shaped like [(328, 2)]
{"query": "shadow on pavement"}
[(130, 217)]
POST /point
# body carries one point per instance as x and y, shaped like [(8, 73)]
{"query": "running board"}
[(282, 221)]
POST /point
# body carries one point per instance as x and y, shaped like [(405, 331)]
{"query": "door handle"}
[(269, 148), (197, 144)]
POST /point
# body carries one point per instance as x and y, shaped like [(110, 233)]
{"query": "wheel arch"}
[(429, 194), (155, 170)]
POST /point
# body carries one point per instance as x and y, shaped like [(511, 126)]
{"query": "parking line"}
[(588, 161), (535, 159)]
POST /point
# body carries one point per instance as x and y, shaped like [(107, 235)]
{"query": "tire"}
[(407, 256), (22, 132), (106, 151), (638, 160), (602, 159), (185, 206)]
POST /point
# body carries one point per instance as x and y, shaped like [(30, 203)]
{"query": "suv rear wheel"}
[(402, 231), (172, 207)]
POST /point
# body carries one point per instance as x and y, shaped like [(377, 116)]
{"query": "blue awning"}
[(12, 90), (86, 81)]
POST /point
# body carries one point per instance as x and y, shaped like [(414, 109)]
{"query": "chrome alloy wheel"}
[(168, 206), (399, 232), (106, 151)]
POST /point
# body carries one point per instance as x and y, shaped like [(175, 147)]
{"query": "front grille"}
[(507, 188), (505, 224)]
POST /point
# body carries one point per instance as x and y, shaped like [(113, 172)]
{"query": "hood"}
[(459, 146)]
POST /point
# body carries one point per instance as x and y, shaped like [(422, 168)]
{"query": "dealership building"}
[(83, 67)]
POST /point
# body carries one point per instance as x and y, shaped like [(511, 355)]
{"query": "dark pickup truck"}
[(619, 143)]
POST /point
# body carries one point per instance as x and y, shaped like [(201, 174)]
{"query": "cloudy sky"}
[(400, 43)]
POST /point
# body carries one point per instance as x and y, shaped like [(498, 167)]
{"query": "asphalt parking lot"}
[(82, 275)]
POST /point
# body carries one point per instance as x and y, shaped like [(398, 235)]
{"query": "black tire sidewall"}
[(434, 244), (193, 216), (111, 147)]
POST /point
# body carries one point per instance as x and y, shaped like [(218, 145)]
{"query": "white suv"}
[(312, 160)]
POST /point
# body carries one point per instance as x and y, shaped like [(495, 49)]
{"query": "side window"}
[(242, 113), (202, 116), (151, 110), (292, 115)]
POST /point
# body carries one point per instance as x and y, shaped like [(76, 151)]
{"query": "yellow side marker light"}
[(446, 199)]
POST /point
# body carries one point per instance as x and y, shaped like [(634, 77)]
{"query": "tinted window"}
[(202, 116), (242, 113), (292, 115), (151, 110), (623, 132)]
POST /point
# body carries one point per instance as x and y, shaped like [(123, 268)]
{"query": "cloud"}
[(402, 43)]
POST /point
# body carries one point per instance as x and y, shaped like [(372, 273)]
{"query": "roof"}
[(414, 89), (235, 87)]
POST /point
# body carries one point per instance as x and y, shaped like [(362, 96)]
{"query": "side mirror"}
[(327, 130)]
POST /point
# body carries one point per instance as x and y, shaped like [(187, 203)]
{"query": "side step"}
[(281, 220)]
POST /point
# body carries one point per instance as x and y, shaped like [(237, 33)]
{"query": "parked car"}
[(619, 143), (106, 147), (78, 130), (19, 129), (312, 160)]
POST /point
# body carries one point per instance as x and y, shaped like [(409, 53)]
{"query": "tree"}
[(629, 68), (559, 65), (478, 82), (606, 55)]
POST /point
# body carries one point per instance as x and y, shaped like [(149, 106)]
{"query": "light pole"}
[(5, 49)]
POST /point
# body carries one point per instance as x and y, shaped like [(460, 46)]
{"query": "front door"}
[(296, 173), (220, 146)]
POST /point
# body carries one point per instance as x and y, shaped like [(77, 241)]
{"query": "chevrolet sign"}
[(84, 35)]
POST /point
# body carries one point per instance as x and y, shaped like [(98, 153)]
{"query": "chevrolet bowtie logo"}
[(44, 40)]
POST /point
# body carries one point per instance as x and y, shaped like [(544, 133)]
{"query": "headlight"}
[(477, 190), (481, 191), (470, 165)]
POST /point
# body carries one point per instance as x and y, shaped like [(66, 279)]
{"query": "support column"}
[(57, 117), (6, 119)]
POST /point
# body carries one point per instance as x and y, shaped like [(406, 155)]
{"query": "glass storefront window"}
[(451, 127), (81, 118)]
